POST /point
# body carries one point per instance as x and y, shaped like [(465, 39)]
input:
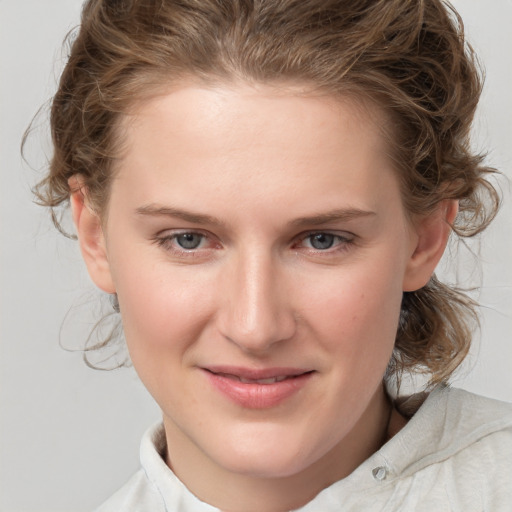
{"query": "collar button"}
[(380, 473)]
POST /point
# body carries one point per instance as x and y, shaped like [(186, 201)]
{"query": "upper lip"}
[(257, 373)]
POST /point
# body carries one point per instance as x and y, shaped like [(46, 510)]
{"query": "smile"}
[(257, 389), (270, 380)]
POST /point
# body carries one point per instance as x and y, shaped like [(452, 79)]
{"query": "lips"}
[(257, 388), (270, 380)]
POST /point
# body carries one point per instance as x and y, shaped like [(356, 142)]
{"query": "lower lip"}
[(254, 395)]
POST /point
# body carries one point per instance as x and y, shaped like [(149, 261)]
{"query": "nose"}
[(257, 311)]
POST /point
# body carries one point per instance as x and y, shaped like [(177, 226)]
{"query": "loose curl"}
[(408, 56)]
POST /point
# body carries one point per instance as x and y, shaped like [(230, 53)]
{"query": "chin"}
[(266, 455), (267, 466)]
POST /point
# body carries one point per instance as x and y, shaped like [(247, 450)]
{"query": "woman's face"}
[(259, 248)]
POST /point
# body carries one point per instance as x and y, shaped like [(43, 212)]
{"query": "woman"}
[(265, 190)]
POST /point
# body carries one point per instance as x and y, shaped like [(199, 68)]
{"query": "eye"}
[(184, 243), (189, 241), (321, 241)]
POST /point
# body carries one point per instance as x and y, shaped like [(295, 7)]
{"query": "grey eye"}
[(322, 241), (189, 240)]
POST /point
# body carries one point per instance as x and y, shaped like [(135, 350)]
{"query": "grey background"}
[(70, 435)]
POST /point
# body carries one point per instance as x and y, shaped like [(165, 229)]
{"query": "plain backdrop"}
[(69, 434)]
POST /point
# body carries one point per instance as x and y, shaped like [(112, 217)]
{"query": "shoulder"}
[(458, 446), (463, 420), (455, 421), (457, 417), (482, 437)]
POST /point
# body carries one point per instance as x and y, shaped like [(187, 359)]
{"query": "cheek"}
[(164, 314), (163, 307), (356, 314)]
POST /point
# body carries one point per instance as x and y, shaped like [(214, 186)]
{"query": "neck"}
[(234, 492)]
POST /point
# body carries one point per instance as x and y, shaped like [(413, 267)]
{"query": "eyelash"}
[(341, 243), (167, 242)]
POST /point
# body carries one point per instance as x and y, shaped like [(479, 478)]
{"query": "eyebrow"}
[(339, 215), (168, 211), (342, 214)]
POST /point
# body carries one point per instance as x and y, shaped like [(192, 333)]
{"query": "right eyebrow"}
[(155, 210)]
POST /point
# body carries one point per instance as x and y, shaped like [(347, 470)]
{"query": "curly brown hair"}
[(408, 56)]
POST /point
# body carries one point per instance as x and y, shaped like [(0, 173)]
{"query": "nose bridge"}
[(258, 312)]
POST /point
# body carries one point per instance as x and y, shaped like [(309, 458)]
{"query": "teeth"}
[(271, 380)]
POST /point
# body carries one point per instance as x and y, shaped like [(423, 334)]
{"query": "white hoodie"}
[(454, 454)]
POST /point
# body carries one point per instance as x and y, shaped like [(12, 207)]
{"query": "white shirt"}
[(455, 454)]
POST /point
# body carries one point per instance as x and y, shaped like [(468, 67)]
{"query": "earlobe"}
[(432, 233), (90, 236)]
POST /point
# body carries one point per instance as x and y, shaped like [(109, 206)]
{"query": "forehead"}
[(219, 115), (198, 105), (242, 139)]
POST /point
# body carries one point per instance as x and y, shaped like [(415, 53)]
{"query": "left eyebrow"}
[(344, 214)]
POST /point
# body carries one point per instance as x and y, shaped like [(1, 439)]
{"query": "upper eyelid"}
[(180, 231), (341, 234), (167, 234), (303, 234)]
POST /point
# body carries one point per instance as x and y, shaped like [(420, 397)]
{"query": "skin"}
[(259, 172)]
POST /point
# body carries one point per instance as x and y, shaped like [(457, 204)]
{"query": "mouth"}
[(270, 380), (257, 376), (257, 388)]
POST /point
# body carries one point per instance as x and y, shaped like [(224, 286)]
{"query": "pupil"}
[(189, 240), (322, 241)]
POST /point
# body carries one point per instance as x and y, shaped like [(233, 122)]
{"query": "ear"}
[(90, 236), (432, 233)]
